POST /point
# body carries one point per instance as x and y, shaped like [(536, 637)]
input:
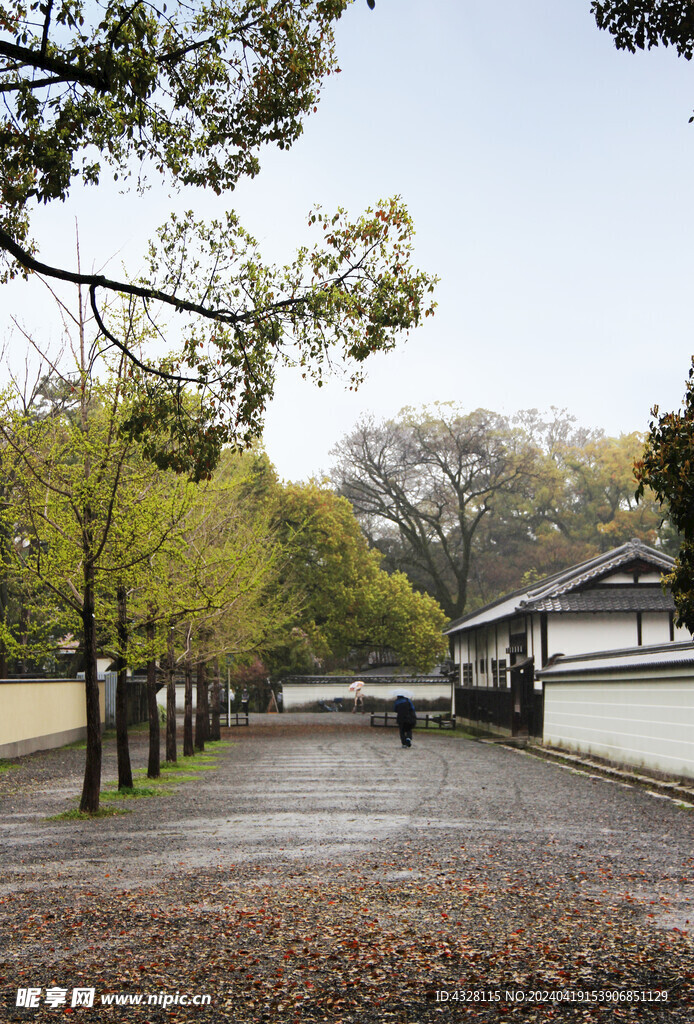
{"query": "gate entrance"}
[(522, 697)]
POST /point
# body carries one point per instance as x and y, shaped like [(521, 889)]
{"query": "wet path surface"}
[(305, 804)]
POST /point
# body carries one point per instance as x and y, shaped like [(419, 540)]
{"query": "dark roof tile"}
[(607, 599)]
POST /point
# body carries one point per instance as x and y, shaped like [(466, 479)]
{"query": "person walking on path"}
[(407, 718), (356, 688), (244, 701)]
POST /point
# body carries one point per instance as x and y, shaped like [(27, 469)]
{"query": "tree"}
[(471, 505), (643, 24), (666, 467), (349, 605), (426, 481), (78, 485), (579, 500), (217, 586), (191, 94)]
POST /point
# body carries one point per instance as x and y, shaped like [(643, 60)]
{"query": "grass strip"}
[(458, 733), (132, 793), (74, 814)]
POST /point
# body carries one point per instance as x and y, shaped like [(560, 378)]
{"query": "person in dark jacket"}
[(407, 718)]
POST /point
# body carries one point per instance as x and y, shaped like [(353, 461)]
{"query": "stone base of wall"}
[(29, 746), (483, 728)]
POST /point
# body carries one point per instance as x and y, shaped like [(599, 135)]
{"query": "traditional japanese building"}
[(613, 601)]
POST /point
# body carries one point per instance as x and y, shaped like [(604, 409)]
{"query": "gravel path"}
[(317, 871)]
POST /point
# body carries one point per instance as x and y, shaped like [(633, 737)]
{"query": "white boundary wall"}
[(641, 721), (298, 695)]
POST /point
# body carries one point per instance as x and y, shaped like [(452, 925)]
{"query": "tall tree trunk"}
[(92, 769), (206, 701), (23, 629), (171, 754), (188, 750), (5, 541), (152, 706), (3, 613), (125, 772), (215, 732), (202, 717)]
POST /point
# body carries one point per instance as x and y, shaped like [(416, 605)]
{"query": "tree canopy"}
[(643, 24), (429, 478), (470, 503), (350, 607), (190, 94), (666, 467)]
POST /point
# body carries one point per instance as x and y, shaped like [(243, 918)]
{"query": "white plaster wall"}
[(628, 577), (681, 633), (299, 694), (535, 641), (655, 628), (645, 723), (180, 697), (583, 634), (488, 643)]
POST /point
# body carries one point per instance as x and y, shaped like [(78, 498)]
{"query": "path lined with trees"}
[(322, 870)]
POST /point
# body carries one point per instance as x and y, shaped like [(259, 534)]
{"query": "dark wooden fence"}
[(490, 709)]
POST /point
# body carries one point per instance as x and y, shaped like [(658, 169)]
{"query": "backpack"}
[(411, 719)]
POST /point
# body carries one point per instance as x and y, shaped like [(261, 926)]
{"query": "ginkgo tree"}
[(77, 481), (188, 95), (151, 511), (214, 588), (234, 570)]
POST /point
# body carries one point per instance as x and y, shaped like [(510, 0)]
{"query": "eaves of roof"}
[(594, 568), (632, 659), (623, 598), (527, 599)]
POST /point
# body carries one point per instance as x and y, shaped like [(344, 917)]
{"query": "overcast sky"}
[(550, 181)]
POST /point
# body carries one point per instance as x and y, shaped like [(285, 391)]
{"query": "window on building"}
[(499, 672), (466, 675)]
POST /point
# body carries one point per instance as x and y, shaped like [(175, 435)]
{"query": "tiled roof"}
[(572, 579), (625, 660), (623, 598), (594, 568)]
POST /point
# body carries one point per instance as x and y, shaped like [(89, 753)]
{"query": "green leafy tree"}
[(157, 505), (219, 585), (78, 480), (666, 467), (190, 94), (349, 604), (643, 24), (469, 504)]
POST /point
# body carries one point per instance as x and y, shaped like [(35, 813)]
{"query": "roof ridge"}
[(568, 579), (592, 567)]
